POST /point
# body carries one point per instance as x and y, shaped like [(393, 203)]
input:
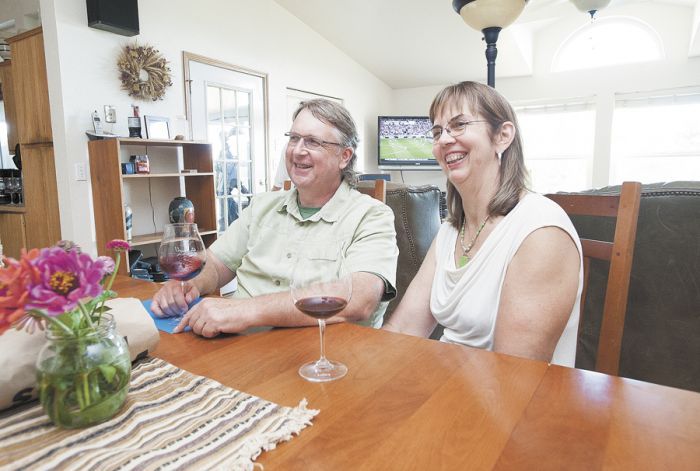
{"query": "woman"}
[(504, 272)]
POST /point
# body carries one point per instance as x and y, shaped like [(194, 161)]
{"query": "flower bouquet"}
[(84, 368)]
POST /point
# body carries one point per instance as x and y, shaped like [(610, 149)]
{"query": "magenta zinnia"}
[(65, 278), (118, 245)]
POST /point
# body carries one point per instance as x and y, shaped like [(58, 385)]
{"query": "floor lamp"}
[(489, 17)]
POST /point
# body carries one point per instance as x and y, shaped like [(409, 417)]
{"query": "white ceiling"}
[(415, 43)]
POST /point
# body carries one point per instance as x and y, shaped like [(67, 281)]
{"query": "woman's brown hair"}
[(491, 106)]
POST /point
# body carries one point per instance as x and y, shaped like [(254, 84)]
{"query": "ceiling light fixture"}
[(591, 6), (489, 17)]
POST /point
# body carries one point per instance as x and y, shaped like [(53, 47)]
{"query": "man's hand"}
[(215, 315), (173, 298)]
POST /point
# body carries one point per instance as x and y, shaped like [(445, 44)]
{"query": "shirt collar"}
[(330, 212)]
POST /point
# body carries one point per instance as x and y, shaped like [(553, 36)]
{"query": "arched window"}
[(608, 41)]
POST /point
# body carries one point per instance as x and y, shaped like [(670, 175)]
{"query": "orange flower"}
[(15, 280)]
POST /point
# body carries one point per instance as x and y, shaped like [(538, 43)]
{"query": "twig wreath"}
[(144, 72)]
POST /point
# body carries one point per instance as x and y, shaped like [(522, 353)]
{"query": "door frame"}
[(187, 83)]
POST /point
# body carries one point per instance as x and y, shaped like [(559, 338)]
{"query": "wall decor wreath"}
[(144, 72)]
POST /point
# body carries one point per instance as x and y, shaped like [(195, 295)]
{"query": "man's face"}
[(315, 172)]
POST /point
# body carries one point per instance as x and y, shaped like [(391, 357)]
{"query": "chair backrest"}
[(374, 188), (417, 221), (625, 208)]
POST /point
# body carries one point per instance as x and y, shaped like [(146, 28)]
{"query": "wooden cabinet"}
[(12, 233), (40, 195), (29, 87), (8, 98), (36, 223), (148, 195)]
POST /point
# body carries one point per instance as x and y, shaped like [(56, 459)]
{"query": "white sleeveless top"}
[(465, 300)]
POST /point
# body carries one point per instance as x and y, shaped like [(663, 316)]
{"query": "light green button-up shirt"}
[(263, 244)]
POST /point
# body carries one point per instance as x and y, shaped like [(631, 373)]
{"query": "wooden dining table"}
[(412, 403)]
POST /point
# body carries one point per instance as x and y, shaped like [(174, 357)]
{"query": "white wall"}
[(258, 35), (677, 70)]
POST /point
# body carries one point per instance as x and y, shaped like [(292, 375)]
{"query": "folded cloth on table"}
[(167, 324), (172, 419), (19, 350)]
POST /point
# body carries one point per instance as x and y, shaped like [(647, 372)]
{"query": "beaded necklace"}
[(464, 258)]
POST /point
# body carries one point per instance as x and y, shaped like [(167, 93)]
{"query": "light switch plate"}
[(110, 114), (80, 173)]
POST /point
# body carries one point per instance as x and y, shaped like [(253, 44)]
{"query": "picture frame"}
[(157, 127)]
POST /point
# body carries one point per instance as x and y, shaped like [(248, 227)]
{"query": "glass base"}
[(322, 370)]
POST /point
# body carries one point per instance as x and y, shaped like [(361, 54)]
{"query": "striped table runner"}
[(172, 419)]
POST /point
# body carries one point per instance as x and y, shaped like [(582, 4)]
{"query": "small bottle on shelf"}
[(128, 216)]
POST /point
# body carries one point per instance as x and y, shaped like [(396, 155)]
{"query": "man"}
[(321, 216)]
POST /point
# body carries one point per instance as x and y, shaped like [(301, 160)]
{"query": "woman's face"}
[(466, 152)]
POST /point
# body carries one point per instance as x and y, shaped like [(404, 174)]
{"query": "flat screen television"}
[(403, 142)]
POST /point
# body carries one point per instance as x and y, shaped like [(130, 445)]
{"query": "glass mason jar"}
[(83, 380)]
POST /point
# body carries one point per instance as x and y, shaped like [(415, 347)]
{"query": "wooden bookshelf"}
[(110, 188)]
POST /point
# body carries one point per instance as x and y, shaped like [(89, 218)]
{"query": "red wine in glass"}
[(181, 266), (321, 288), (321, 307), (182, 254)]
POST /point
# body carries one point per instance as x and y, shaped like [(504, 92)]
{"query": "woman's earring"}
[(500, 156)]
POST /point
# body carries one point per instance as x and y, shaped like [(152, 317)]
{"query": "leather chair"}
[(417, 220), (661, 337)]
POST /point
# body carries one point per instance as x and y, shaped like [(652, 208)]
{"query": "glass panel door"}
[(227, 108), (228, 130)]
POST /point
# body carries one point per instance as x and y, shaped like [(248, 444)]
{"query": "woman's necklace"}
[(464, 258)]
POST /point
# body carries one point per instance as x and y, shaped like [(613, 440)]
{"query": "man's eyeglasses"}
[(308, 142), (455, 127)]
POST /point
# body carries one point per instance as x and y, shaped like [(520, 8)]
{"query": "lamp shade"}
[(590, 5), (481, 14)]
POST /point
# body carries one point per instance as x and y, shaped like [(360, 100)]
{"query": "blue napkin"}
[(167, 324)]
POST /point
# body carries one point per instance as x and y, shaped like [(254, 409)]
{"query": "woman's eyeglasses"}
[(308, 142), (454, 128)]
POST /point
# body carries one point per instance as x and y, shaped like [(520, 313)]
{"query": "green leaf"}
[(108, 371)]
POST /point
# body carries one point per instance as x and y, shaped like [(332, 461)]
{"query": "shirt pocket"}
[(327, 252)]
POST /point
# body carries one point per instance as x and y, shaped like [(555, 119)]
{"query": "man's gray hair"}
[(335, 115)]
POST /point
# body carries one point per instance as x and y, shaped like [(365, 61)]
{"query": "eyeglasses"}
[(309, 142), (455, 127)]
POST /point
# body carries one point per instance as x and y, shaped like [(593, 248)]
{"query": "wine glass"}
[(321, 289), (181, 253)]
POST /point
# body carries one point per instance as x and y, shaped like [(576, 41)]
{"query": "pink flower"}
[(118, 245), (68, 245), (108, 264), (15, 280), (65, 277)]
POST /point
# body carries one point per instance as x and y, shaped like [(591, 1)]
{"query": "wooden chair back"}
[(377, 190), (625, 209)]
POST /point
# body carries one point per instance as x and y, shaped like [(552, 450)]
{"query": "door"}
[(227, 107)]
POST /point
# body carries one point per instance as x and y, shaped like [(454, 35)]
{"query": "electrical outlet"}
[(80, 172), (110, 114)]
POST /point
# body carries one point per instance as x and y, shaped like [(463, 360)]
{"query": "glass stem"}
[(322, 330)]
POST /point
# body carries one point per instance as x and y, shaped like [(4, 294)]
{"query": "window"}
[(609, 41), (656, 137), (558, 145)]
